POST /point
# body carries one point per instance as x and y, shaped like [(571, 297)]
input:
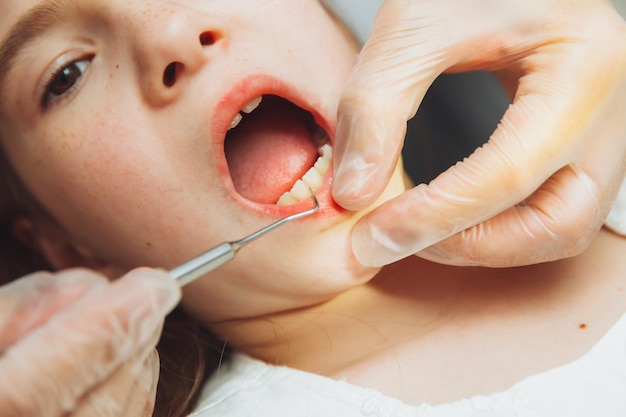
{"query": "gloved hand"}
[(541, 187), (75, 345)]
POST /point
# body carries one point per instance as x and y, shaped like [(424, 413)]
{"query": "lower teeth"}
[(311, 181)]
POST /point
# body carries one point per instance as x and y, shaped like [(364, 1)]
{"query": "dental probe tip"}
[(240, 243)]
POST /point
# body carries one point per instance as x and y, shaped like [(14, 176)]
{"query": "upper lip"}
[(252, 87), (240, 94)]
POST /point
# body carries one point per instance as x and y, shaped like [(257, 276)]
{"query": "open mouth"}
[(276, 153)]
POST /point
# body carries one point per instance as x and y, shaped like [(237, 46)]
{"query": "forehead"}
[(10, 10)]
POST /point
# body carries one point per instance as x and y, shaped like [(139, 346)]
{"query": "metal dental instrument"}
[(220, 254)]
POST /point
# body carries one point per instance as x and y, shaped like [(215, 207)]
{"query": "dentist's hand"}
[(73, 344), (542, 186)]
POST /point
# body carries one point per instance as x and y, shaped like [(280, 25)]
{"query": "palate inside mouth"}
[(271, 149)]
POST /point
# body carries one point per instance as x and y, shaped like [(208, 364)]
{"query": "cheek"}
[(88, 162), (82, 178), (330, 39), (126, 194)]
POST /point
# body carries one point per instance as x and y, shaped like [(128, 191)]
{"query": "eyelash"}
[(51, 98)]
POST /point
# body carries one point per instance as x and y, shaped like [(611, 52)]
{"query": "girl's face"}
[(117, 115)]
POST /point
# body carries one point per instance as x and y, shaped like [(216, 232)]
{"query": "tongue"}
[(270, 150)]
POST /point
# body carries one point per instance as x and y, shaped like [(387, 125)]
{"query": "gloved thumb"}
[(396, 67)]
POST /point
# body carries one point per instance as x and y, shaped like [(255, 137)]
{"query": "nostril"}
[(170, 74), (207, 38)]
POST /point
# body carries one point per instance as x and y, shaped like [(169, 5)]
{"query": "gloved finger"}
[(562, 217), (130, 391), (393, 72), (560, 220), (551, 217), (31, 300), (468, 195), (55, 365), (465, 195)]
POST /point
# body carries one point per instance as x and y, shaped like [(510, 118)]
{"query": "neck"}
[(356, 324)]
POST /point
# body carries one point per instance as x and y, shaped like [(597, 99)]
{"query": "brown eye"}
[(64, 80)]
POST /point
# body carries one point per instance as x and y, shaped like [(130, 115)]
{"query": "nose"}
[(170, 45)]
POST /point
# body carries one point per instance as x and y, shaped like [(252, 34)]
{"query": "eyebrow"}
[(32, 25)]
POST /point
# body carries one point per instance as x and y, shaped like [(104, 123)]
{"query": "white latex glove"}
[(541, 187), (73, 344)]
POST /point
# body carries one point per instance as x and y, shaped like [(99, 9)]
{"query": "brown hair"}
[(189, 353), (15, 259)]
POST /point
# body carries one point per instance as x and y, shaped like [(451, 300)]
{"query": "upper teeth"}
[(311, 181), (248, 108)]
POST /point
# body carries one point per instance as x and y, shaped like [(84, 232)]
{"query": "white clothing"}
[(592, 386)]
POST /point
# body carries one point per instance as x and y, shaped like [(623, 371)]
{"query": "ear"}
[(55, 246)]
